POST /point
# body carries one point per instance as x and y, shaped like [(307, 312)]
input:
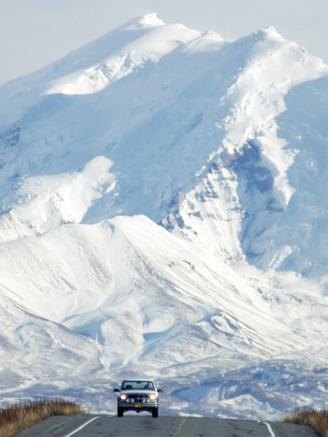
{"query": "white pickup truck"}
[(137, 395)]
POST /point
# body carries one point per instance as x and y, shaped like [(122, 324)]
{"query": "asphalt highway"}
[(169, 426)]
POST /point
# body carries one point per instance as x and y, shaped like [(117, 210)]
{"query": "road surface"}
[(169, 426)]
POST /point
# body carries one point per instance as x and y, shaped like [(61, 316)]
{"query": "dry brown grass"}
[(17, 417), (317, 419)]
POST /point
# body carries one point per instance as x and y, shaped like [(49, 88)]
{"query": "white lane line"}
[(81, 427), (272, 434)]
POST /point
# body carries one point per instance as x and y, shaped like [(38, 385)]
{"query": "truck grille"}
[(137, 398)]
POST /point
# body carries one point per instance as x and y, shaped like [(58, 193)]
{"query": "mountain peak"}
[(272, 33), (154, 40), (145, 21)]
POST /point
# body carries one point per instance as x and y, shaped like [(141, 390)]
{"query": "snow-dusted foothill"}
[(164, 213)]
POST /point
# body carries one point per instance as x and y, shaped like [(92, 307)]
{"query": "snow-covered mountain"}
[(164, 214)]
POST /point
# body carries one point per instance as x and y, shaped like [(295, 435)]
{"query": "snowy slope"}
[(163, 213)]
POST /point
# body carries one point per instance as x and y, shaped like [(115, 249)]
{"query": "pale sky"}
[(34, 33)]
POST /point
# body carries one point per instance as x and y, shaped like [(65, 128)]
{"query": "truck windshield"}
[(137, 385)]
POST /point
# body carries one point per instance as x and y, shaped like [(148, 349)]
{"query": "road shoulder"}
[(56, 426), (283, 429)]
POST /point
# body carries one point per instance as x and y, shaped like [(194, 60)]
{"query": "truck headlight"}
[(153, 397), (123, 397)]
